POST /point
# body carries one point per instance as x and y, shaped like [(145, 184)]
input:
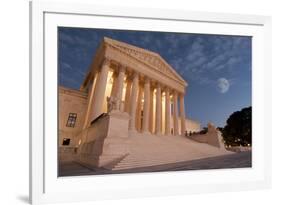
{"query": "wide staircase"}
[(150, 150)]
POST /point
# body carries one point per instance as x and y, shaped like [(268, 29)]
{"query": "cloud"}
[(66, 65), (205, 58), (146, 39), (76, 39), (66, 38), (223, 85), (68, 69), (197, 58), (193, 55)]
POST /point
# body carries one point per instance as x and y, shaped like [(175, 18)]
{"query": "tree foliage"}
[(238, 129)]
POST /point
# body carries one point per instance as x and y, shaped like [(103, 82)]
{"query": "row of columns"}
[(132, 98)]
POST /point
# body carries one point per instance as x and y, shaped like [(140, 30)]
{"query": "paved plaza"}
[(237, 160)]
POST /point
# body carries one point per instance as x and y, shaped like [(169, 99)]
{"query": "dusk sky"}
[(217, 68)]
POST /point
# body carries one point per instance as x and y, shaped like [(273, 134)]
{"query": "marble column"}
[(100, 89), (119, 86), (128, 94), (175, 103), (139, 108), (146, 106), (182, 115), (114, 84), (151, 110), (89, 101), (168, 113), (133, 102), (158, 122)]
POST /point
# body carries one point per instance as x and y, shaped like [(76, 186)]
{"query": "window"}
[(71, 120), (66, 141)]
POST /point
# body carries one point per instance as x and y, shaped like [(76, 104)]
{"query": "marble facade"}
[(137, 75), (135, 87)]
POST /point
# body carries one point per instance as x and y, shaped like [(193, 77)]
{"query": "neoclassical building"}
[(127, 92)]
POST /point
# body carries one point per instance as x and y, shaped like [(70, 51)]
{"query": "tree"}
[(238, 129)]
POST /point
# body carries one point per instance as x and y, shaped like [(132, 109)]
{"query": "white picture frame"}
[(46, 187)]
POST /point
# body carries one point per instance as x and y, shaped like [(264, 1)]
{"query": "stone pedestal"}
[(213, 137), (106, 141)]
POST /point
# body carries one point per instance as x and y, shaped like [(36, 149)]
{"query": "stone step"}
[(154, 158), (144, 164), (164, 157), (138, 165), (149, 162), (156, 153), (134, 161), (152, 155), (151, 150)]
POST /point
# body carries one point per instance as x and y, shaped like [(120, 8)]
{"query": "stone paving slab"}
[(237, 160)]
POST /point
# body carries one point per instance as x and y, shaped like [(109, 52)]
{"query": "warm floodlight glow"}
[(110, 77), (108, 89)]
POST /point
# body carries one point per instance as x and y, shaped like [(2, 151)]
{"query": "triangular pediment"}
[(147, 57)]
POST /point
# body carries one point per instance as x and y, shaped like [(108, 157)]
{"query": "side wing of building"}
[(71, 115)]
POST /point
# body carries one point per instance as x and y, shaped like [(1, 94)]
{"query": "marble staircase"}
[(151, 150)]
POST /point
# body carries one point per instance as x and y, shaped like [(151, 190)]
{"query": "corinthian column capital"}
[(158, 85), (146, 80), (106, 62), (122, 68)]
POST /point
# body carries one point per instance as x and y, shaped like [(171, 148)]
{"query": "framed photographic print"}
[(128, 102)]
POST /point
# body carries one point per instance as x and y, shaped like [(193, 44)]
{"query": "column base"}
[(132, 132), (159, 134), (146, 132)]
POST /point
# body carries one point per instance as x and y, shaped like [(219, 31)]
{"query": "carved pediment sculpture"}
[(148, 57)]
